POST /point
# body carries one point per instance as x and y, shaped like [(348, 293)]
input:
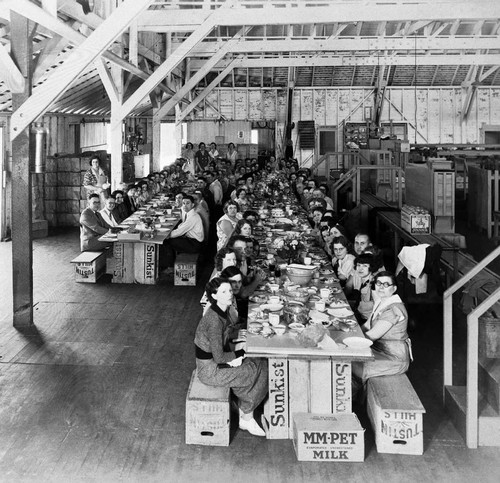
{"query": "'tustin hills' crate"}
[(207, 414), (185, 269), (89, 266), (328, 437), (395, 412), (414, 221)]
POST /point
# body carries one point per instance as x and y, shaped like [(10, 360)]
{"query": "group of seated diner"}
[(358, 264)]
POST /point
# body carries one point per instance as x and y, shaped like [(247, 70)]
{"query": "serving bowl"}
[(297, 295), (300, 278)]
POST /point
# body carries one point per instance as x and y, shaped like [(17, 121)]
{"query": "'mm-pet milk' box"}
[(328, 437)]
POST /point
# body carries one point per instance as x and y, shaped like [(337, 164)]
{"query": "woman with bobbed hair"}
[(241, 198), (387, 328), (217, 364), (358, 287), (226, 223), (243, 227), (225, 257), (343, 259)]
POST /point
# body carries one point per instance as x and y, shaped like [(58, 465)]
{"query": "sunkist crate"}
[(89, 266), (185, 269), (123, 262), (146, 258), (328, 437), (395, 412), (414, 220), (207, 414)]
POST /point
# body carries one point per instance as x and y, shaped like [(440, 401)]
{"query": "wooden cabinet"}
[(433, 190)]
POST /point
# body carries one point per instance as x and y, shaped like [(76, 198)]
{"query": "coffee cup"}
[(324, 293), (307, 260), (274, 319), (274, 300), (320, 305)]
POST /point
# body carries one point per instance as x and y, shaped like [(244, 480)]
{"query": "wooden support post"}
[(116, 125), (22, 249), (116, 142), (155, 162)]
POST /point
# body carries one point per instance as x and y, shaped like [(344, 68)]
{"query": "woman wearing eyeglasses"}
[(386, 327)]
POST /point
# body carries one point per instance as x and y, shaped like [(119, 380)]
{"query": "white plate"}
[(272, 307), (340, 312), (357, 342), (317, 316)]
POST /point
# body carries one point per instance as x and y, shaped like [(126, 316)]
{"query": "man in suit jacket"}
[(92, 226)]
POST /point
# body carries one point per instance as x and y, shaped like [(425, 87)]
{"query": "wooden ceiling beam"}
[(205, 92), (107, 80), (77, 62), (485, 75), (36, 14), (334, 43), (9, 72), (164, 69), (195, 79), (177, 20), (48, 56), (343, 61)]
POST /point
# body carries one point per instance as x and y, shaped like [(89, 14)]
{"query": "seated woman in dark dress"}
[(218, 365)]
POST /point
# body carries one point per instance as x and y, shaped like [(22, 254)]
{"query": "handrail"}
[(341, 182), (472, 343), (302, 164), (471, 414), (354, 173)]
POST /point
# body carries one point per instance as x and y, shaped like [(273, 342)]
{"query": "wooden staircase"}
[(475, 407)]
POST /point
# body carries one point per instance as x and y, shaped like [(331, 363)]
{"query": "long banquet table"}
[(136, 257), (305, 379)]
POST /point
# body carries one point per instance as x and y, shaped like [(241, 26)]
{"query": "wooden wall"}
[(432, 114), (57, 193), (207, 131)]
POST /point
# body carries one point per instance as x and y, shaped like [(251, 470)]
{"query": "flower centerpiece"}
[(288, 247)]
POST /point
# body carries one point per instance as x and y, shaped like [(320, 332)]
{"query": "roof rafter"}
[(80, 58)]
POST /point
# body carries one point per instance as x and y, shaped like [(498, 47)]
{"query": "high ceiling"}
[(254, 44)]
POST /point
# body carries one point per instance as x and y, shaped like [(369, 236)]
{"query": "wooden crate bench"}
[(89, 266), (395, 412), (207, 414), (185, 269)]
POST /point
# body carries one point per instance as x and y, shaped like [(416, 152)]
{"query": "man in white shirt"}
[(215, 187), (107, 212), (186, 238)]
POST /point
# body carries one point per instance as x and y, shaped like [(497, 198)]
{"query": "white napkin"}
[(236, 362), (316, 315), (327, 343)]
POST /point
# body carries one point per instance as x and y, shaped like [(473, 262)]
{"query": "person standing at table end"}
[(92, 226), (95, 179), (186, 238)]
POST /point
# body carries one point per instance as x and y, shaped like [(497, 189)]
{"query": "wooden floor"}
[(97, 392)]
